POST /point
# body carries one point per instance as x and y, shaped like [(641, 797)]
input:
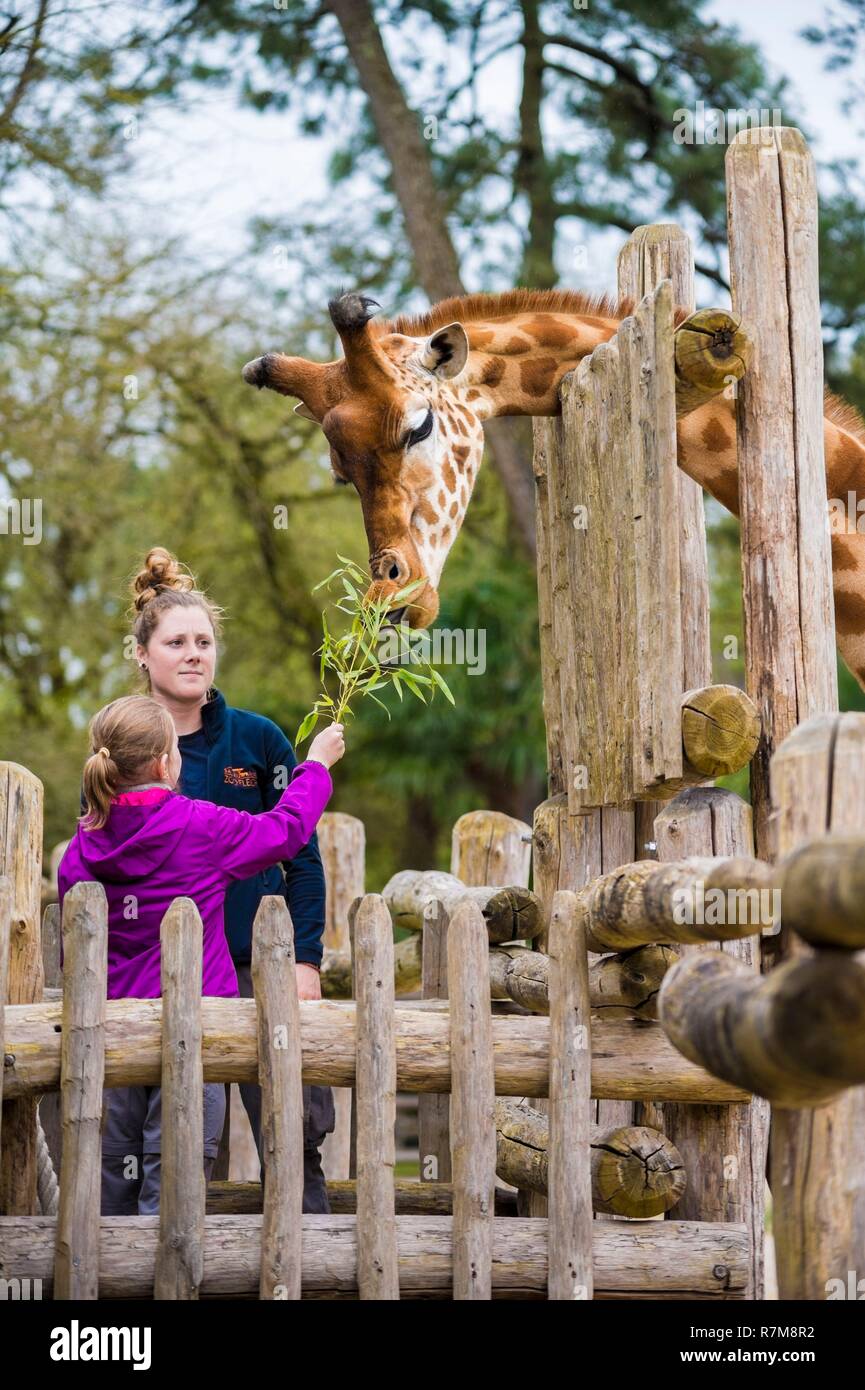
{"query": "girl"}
[(148, 844)]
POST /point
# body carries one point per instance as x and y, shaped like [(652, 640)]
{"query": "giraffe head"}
[(395, 413)]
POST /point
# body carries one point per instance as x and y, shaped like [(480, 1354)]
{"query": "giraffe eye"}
[(340, 482), (423, 431)]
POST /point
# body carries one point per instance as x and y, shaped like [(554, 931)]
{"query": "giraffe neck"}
[(517, 362), (707, 453)]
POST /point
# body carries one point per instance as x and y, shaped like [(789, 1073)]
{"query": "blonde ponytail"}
[(126, 737)]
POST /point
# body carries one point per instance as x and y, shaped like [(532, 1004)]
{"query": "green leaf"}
[(442, 684), (373, 660), (411, 682), (379, 702), (307, 726), (323, 582), (404, 593)]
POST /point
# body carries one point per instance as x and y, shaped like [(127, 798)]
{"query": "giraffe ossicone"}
[(403, 412)]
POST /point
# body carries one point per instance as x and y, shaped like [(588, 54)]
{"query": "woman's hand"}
[(328, 746), (308, 981)]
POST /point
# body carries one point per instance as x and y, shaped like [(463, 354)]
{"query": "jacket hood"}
[(136, 840)]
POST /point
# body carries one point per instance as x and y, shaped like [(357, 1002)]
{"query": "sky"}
[(205, 172)]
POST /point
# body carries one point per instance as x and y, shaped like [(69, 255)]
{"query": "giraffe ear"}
[(307, 414), (445, 352)]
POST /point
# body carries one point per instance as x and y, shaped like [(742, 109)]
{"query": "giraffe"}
[(403, 412)]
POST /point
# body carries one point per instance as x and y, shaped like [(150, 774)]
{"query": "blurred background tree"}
[(467, 143)]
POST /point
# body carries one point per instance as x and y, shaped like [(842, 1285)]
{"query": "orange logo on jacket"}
[(240, 777)]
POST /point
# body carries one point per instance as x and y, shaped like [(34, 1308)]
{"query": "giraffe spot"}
[(725, 486), (537, 375), (464, 496), (715, 438), (450, 477), (461, 429), (454, 508), (480, 337), (433, 539), (549, 331), (429, 514), (849, 613), (461, 453), (442, 500), (473, 395), (516, 344), (843, 554), (493, 372), (446, 535)]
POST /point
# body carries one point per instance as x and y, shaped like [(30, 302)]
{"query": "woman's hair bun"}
[(161, 570)]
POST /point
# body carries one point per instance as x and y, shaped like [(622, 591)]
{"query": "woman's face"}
[(181, 655)]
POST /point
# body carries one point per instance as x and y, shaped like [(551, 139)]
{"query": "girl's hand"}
[(328, 746)]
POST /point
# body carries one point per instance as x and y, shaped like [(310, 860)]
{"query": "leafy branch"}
[(350, 660)]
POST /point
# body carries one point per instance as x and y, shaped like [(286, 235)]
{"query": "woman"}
[(233, 758)]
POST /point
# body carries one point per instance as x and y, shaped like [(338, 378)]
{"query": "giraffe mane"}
[(844, 415), (471, 307)]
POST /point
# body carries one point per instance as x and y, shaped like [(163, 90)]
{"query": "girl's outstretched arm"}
[(244, 844)]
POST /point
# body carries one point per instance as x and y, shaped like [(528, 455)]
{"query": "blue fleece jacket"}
[(249, 765)]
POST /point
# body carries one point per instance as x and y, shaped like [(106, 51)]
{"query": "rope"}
[(46, 1178)]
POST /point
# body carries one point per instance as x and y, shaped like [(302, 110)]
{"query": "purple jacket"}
[(148, 854)]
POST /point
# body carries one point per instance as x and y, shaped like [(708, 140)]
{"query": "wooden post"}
[(342, 843), (49, 1106), (82, 1067), (546, 442), (473, 1136), (817, 1176), (433, 1112), (5, 933), (570, 1176), (786, 563), (274, 984), (180, 1251), (650, 255), (377, 1271), (723, 1148), (490, 847), (21, 861)]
